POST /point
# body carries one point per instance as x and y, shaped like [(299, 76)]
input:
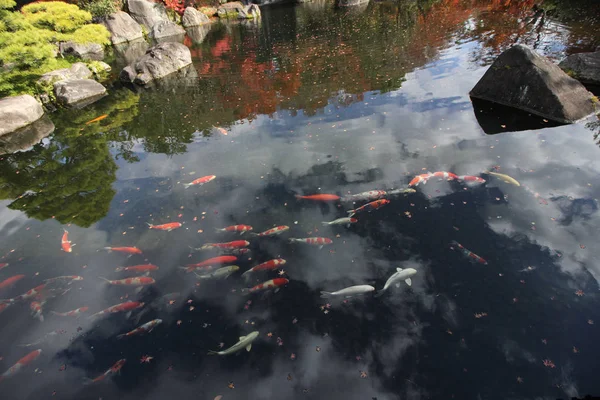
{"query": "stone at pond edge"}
[(17, 112), (193, 17), (236, 10), (146, 12), (158, 62), (88, 51), (122, 28), (78, 92), (525, 80), (24, 138), (76, 71), (163, 29), (585, 67)]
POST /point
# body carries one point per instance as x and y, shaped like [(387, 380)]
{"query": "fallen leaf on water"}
[(231, 385)]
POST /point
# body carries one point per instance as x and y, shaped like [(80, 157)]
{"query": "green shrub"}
[(99, 9)]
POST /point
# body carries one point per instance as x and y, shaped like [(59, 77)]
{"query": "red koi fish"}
[(165, 227), (23, 362), (266, 266), (65, 243), (128, 306), (374, 205), (11, 281), (3, 265), (137, 281), (468, 253), (319, 197), (229, 245), (138, 268), (420, 179), (74, 313), (37, 310), (471, 180), (210, 263), (65, 278), (146, 328), (273, 283), (109, 372), (200, 181), (127, 250), (316, 241), (236, 228), (278, 230), (365, 196)]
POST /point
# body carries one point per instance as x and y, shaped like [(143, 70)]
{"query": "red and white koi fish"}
[(366, 196), (73, 313), (36, 291), (127, 250), (3, 265), (471, 180), (374, 205), (423, 178), (65, 243), (316, 241), (236, 228), (137, 281), (222, 131), (266, 266), (138, 268), (341, 221), (37, 310), (65, 278), (210, 263), (109, 372), (443, 175), (319, 197), (128, 306), (146, 328), (278, 230), (229, 245), (10, 281), (23, 362), (271, 284), (468, 253), (165, 227), (200, 181), (46, 337)]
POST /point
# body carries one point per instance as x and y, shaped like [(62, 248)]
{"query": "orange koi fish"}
[(73, 313), (200, 181), (37, 309), (229, 245), (138, 268), (468, 253), (128, 306), (109, 372), (146, 328), (449, 176), (420, 179), (221, 130), (3, 265), (471, 180), (23, 362), (236, 228), (65, 243), (317, 241), (273, 283), (266, 266), (127, 250), (11, 281), (100, 118), (137, 281), (365, 196), (165, 227), (319, 197), (210, 263), (374, 205), (278, 230)]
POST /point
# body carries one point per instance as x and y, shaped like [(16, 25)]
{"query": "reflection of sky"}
[(413, 343)]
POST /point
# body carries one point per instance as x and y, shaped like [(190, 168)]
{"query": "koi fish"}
[(423, 178), (278, 230), (200, 181), (374, 205), (365, 196), (266, 266), (239, 252), (109, 372), (4, 304), (449, 176), (349, 291), (65, 278), (137, 268), (36, 291), (100, 118), (36, 308), (65, 243), (236, 228), (397, 192), (341, 221), (222, 131), (468, 253), (44, 338), (3, 265), (319, 197), (128, 306), (127, 250), (273, 283), (229, 245), (23, 362), (165, 227), (221, 273), (146, 328), (399, 275), (208, 264), (137, 281), (504, 178), (245, 342), (11, 281), (471, 180), (73, 313), (317, 241)]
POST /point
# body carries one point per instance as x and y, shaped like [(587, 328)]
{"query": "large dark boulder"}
[(193, 17), (166, 29), (585, 67), (525, 80), (158, 62), (88, 51), (17, 112)]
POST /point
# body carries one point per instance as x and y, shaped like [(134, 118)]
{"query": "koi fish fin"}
[(399, 269), (325, 295), (149, 225), (298, 196), (380, 293), (249, 347), (246, 275), (351, 213), (147, 274), (121, 336), (109, 249), (41, 318), (320, 247), (245, 291), (212, 353), (54, 312), (138, 290), (324, 223), (252, 234), (408, 281), (187, 185), (128, 315), (242, 338), (218, 230), (107, 280), (242, 232), (276, 290)]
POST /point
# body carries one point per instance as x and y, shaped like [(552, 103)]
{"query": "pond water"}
[(315, 100)]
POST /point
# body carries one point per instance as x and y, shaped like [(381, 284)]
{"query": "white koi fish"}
[(349, 291), (504, 178), (244, 342), (399, 275), (341, 221), (221, 273), (146, 328), (365, 196)]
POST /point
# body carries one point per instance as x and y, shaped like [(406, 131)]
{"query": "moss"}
[(100, 69)]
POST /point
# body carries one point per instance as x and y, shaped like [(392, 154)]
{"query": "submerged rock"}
[(24, 138), (525, 80), (78, 93), (88, 51), (585, 67), (164, 29), (193, 17), (17, 112), (146, 12), (198, 33), (158, 62), (128, 53), (123, 28)]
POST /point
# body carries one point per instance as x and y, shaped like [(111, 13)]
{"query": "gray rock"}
[(351, 3), (24, 138), (158, 62), (146, 12), (100, 68), (198, 33), (128, 53), (193, 17), (163, 29), (77, 71), (525, 80), (585, 67), (253, 10), (236, 10), (17, 112), (78, 93), (123, 28), (88, 51)]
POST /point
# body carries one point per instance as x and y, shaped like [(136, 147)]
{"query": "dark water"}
[(318, 100)]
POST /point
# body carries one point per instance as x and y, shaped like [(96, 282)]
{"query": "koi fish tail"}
[(380, 293), (219, 230), (325, 295), (55, 313), (325, 223), (351, 213), (86, 381), (149, 225), (253, 234), (187, 185), (212, 353), (109, 249), (245, 291), (298, 196), (107, 280), (121, 336), (119, 269)]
